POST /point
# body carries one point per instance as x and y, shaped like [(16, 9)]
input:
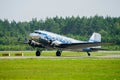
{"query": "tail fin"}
[(96, 37)]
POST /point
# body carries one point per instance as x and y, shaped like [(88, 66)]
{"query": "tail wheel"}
[(58, 53), (38, 53), (88, 53)]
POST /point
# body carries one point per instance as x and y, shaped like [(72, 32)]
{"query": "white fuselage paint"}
[(52, 36)]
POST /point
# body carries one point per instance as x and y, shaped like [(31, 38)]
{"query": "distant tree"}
[(76, 27)]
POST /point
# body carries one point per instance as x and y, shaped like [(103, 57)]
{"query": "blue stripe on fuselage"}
[(50, 37)]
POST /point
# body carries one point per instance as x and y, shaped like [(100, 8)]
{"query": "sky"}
[(25, 10)]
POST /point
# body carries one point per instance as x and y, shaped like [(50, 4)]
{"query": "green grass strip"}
[(60, 69)]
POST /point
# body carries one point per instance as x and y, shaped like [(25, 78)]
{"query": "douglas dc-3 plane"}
[(48, 40)]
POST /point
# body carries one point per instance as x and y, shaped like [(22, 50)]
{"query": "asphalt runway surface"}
[(55, 57)]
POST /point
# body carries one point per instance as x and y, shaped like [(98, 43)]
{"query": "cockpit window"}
[(38, 32)]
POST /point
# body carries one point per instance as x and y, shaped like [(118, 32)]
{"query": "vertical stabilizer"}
[(96, 37)]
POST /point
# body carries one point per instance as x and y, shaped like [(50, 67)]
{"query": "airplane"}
[(42, 39)]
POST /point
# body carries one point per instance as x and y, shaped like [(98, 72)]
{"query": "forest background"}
[(81, 28)]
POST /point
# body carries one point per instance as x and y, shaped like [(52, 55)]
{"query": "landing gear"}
[(38, 53), (58, 53), (88, 53)]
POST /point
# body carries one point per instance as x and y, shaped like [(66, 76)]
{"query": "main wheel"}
[(58, 53), (38, 53)]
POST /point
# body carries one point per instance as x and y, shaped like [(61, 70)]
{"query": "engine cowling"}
[(34, 44), (55, 43)]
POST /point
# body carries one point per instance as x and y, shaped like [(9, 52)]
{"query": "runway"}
[(61, 57)]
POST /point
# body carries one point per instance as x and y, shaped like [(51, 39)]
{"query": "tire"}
[(38, 53), (88, 53), (58, 53)]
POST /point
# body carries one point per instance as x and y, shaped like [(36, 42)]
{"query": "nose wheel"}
[(38, 53)]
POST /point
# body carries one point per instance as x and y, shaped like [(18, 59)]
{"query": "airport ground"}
[(64, 53), (70, 66)]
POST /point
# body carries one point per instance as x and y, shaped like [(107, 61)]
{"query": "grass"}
[(60, 69)]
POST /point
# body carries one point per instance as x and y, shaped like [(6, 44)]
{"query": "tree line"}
[(80, 28)]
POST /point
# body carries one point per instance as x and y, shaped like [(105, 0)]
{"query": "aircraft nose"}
[(34, 36)]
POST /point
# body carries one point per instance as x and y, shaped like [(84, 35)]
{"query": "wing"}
[(79, 45)]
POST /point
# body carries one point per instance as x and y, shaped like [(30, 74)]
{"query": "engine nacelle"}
[(55, 43), (35, 44)]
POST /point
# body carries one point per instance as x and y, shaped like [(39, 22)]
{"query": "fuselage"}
[(49, 36)]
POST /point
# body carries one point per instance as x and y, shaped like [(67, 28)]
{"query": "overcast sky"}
[(25, 10)]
